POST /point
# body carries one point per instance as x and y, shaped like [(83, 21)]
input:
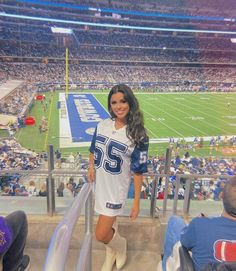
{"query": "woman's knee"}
[(104, 231)]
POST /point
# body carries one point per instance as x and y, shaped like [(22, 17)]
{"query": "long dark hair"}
[(135, 125)]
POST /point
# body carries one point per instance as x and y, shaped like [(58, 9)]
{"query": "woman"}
[(119, 147)]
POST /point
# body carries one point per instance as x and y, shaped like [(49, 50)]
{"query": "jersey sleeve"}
[(92, 146), (139, 158)]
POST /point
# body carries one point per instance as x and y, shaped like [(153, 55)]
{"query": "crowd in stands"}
[(202, 188), (171, 6), (126, 54), (95, 44), (117, 55), (211, 8), (39, 36), (196, 165), (36, 40), (15, 102), (13, 156), (102, 76)]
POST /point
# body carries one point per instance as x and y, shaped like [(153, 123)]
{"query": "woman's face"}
[(119, 106)]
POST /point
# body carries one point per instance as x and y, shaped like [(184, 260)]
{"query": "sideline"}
[(49, 121)]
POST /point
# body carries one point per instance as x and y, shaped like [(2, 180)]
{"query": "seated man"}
[(13, 233), (211, 240)]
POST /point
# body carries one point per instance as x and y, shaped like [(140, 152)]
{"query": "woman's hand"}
[(134, 211)]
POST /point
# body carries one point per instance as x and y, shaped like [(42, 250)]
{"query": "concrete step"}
[(143, 233), (138, 260), (143, 238)]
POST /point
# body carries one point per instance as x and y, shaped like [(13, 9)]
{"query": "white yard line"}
[(181, 135), (211, 109), (179, 121), (200, 112)]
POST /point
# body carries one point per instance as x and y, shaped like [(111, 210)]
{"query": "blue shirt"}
[(210, 240)]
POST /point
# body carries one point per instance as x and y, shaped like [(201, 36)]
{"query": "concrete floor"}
[(136, 260)]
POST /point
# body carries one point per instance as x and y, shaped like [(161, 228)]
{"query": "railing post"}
[(167, 171), (50, 183), (153, 196), (175, 203), (89, 226), (187, 194)]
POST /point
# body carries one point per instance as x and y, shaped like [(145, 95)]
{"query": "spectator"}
[(21, 192), (71, 160), (72, 181), (32, 189), (205, 237), (81, 182), (58, 158), (218, 190), (60, 189), (43, 190), (68, 191), (13, 234)]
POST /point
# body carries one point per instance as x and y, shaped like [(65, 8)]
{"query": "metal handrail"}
[(60, 241), (188, 178), (156, 176), (85, 258)]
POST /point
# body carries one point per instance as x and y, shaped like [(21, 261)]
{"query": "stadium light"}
[(61, 30), (68, 31), (44, 19)]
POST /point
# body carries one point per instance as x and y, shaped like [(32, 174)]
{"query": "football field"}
[(187, 115), (177, 115)]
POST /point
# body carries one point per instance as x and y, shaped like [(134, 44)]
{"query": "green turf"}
[(3, 133), (187, 115), (166, 115), (30, 137)]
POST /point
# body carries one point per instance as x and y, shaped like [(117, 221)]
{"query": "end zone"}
[(78, 117)]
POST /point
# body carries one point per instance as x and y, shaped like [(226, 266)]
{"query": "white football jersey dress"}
[(115, 157)]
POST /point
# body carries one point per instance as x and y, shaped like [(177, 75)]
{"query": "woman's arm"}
[(138, 180), (91, 169)]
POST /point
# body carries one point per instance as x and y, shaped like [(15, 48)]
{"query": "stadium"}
[(58, 62)]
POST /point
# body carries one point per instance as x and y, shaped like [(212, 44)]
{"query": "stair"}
[(136, 260), (143, 237)]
